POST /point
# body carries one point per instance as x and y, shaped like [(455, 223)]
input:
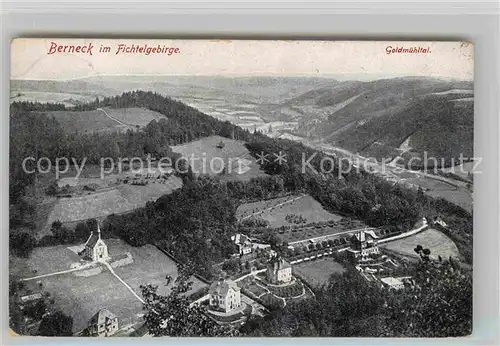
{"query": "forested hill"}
[(195, 222), (33, 134), (209, 206), (376, 118)]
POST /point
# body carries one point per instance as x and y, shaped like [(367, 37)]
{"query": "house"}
[(31, 297), (278, 271), (363, 244), (439, 221), (248, 249), (224, 295), (95, 248), (103, 323)]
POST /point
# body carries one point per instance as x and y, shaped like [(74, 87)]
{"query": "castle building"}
[(278, 271), (363, 245), (224, 295), (95, 248), (103, 323)]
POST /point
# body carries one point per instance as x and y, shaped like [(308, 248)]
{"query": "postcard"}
[(241, 188)]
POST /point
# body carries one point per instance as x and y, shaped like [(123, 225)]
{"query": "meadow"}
[(113, 200), (208, 158), (134, 116), (318, 272), (276, 210), (104, 120), (82, 296), (437, 242)]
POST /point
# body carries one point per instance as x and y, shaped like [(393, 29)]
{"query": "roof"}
[(30, 297), (221, 287), (92, 240), (391, 281), (372, 234), (361, 236), (101, 315), (284, 264), (279, 264)]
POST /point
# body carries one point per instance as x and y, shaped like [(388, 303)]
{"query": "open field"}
[(299, 235), (134, 116), (208, 159), (437, 242), (317, 272), (150, 266), (104, 120), (276, 210), (110, 201), (454, 191), (82, 296), (86, 121), (464, 169), (93, 197)]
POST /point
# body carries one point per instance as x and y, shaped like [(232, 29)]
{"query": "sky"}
[(351, 59)]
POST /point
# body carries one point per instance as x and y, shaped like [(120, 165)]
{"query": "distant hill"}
[(79, 87), (376, 118), (250, 89)]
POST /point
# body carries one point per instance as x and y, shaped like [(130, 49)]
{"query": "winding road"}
[(109, 116)]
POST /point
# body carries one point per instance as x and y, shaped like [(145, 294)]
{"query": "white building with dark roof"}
[(95, 248), (103, 323), (224, 295)]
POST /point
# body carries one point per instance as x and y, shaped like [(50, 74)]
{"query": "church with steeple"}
[(95, 248)]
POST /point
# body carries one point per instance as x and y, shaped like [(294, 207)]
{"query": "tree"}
[(63, 235), (231, 265), (173, 315), (56, 324), (82, 231), (52, 189), (92, 224), (21, 243), (56, 225), (438, 304), (35, 310)]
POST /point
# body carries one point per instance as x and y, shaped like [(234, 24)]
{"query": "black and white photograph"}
[(241, 188)]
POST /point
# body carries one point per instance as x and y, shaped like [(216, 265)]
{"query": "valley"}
[(160, 218)]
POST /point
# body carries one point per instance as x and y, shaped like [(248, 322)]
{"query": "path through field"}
[(272, 207), (109, 116), (85, 266), (123, 282), (334, 235)]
